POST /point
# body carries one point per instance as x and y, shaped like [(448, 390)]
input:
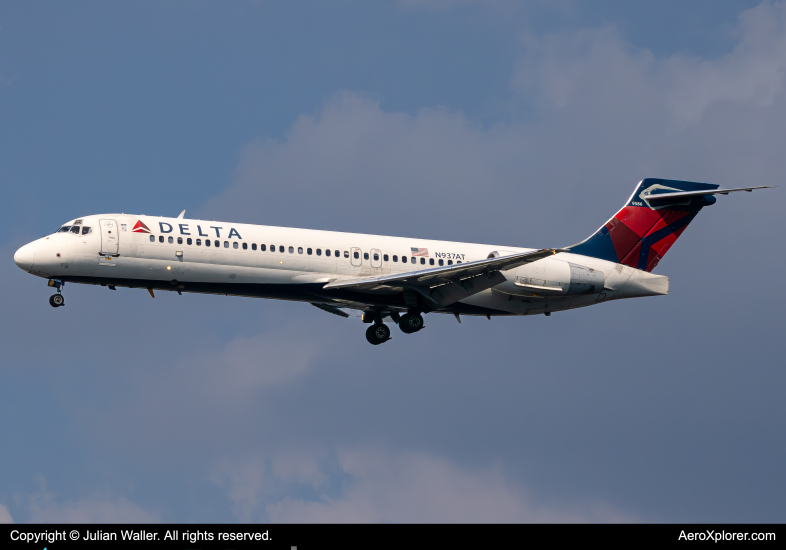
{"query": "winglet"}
[(183, 213)]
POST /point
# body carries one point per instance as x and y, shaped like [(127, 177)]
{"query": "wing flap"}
[(330, 309)]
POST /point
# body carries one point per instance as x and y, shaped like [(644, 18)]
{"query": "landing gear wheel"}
[(56, 300), (411, 322), (377, 334)]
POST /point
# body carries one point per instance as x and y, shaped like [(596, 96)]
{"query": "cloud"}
[(597, 67), (243, 483), (5, 515), (374, 483), (589, 112), (403, 487), (365, 163), (206, 394), (252, 482), (45, 508)]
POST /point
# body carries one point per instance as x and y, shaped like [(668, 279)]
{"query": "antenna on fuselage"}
[(180, 217)]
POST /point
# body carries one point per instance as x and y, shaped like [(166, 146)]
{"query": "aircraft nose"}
[(25, 257)]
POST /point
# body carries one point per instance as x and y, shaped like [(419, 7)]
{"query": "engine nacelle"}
[(585, 280), (550, 277)]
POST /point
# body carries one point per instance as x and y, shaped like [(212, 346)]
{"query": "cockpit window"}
[(86, 230), (75, 230), (64, 229)]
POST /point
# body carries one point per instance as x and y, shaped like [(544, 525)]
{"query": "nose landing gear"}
[(57, 300)]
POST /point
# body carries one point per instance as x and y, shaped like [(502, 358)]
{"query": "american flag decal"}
[(419, 251)]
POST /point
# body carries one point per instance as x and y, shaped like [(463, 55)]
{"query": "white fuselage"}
[(294, 264)]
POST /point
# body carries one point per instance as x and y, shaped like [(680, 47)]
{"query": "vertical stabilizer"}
[(641, 233)]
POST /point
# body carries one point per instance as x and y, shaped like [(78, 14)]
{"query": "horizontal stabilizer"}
[(655, 196)]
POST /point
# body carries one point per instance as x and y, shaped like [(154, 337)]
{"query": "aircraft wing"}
[(446, 284)]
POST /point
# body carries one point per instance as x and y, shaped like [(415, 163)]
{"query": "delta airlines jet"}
[(384, 277)]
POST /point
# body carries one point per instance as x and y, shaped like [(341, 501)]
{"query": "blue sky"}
[(497, 122)]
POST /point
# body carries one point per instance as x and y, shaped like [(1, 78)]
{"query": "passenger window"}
[(327, 252), (281, 249), (300, 250), (356, 255), (75, 230), (423, 261), (245, 246), (152, 238), (234, 245), (458, 262), (262, 247), (365, 256), (86, 230), (308, 251), (291, 249), (217, 243), (180, 240), (199, 242), (431, 261), (254, 246), (319, 251), (395, 258), (171, 240), (414, 260), (442, 262), (385, 257), (376, 257), (207, 242), (189, 241), (160, 238), (450, 262)]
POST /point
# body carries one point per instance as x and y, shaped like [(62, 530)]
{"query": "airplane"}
[(394, 278)]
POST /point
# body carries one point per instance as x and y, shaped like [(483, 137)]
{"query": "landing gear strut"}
[(57, 300), (377, 334), (410, 322)]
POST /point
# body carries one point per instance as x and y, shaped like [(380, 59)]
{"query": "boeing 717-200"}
[(383, 277)]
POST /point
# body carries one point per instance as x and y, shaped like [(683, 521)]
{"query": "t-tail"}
[(654, 217)]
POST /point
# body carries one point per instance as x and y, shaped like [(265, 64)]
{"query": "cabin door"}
[(109, 237)]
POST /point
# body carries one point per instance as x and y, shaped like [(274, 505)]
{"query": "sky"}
[(519, 124)]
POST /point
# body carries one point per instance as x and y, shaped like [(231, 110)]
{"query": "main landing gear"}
[(377, 334), (57, 300), (410, 322)]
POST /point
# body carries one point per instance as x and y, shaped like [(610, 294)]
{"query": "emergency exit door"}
[(376, 258)]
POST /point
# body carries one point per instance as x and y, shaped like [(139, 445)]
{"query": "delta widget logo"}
[(140, 227)]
